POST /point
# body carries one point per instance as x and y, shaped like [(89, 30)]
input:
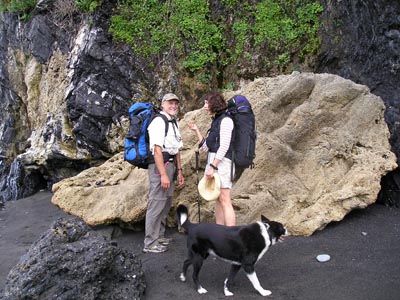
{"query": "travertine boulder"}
[(114, 191), (322, 149)]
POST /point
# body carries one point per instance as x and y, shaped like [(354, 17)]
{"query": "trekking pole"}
[(197, 182)]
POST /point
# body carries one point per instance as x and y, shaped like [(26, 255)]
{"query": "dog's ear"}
[(264, 219)]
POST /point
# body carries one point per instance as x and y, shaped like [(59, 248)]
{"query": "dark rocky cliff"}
[(52, 131), (361, 42)]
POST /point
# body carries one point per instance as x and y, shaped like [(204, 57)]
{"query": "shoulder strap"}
[(219, 120), (165, 121)]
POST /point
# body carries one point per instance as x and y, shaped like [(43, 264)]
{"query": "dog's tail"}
[(182, 216)]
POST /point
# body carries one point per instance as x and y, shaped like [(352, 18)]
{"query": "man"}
[(167, 163)]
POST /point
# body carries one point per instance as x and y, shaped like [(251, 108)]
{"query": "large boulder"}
[(322, 149), (112, 192), (71, 261)]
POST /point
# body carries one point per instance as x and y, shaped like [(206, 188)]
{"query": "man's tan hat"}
[(210, 189), (170, 96)]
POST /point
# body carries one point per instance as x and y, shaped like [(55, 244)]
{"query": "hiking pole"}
[(197, 182)]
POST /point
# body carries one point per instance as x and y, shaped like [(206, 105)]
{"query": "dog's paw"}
[(227, 292), (202, 290), (182, 277), (264, 292)]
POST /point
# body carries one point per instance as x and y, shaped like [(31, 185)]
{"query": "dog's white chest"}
[(265, 235)]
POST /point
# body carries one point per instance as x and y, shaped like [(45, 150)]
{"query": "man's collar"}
[(167, 115)]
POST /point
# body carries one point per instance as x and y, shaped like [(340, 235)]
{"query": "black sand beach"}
[(364, 250)]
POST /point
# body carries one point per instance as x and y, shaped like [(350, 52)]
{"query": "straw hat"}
[(210, 189)]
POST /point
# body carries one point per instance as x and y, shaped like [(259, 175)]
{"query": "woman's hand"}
[(210, 173), (192, 126)]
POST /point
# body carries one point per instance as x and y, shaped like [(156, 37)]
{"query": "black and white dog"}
[(242, 246)]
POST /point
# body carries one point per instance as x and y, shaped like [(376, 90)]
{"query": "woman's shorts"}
[(224, 170)]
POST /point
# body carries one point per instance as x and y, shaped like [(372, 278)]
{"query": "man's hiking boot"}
[(164, 241), (156, 248)]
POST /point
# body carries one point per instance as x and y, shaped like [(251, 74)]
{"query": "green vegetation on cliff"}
[(20, 6), (204, 33)]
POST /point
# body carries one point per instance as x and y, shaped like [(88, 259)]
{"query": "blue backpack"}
[(137, 150)]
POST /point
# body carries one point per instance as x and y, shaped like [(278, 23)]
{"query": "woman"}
[(218, 145)]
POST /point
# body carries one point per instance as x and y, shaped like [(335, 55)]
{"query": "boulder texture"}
[(71, 261), (322, 149), (112, 192)]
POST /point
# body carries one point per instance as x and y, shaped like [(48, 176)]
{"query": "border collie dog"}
[(242, 246)]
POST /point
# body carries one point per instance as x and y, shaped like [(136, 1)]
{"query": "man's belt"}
[(168, 157)]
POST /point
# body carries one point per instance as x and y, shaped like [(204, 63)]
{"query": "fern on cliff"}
[(18, 6), (204, 33)]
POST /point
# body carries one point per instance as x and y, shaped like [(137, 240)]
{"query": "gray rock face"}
[(72, 262), (361, 42), (62, 93)]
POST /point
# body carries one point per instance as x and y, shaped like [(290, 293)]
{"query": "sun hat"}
[(170, 96), (210, 189)]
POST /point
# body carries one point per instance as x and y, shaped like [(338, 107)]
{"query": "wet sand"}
[(364, 250)]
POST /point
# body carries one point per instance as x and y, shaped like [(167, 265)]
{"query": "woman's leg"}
[(219, 213), (224, 213)]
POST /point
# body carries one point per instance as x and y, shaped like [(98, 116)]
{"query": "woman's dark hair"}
[(215, 102)]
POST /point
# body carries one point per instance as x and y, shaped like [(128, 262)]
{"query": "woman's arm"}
[(200, 138), (194, 127)]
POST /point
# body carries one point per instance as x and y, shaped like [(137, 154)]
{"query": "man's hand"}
[(181, 180), (165, 182)]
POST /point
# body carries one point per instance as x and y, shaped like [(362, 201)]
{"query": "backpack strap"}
[(166, 121), (166, 156), (173, 121), (228, 115), (174, 126), (217, 125)]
